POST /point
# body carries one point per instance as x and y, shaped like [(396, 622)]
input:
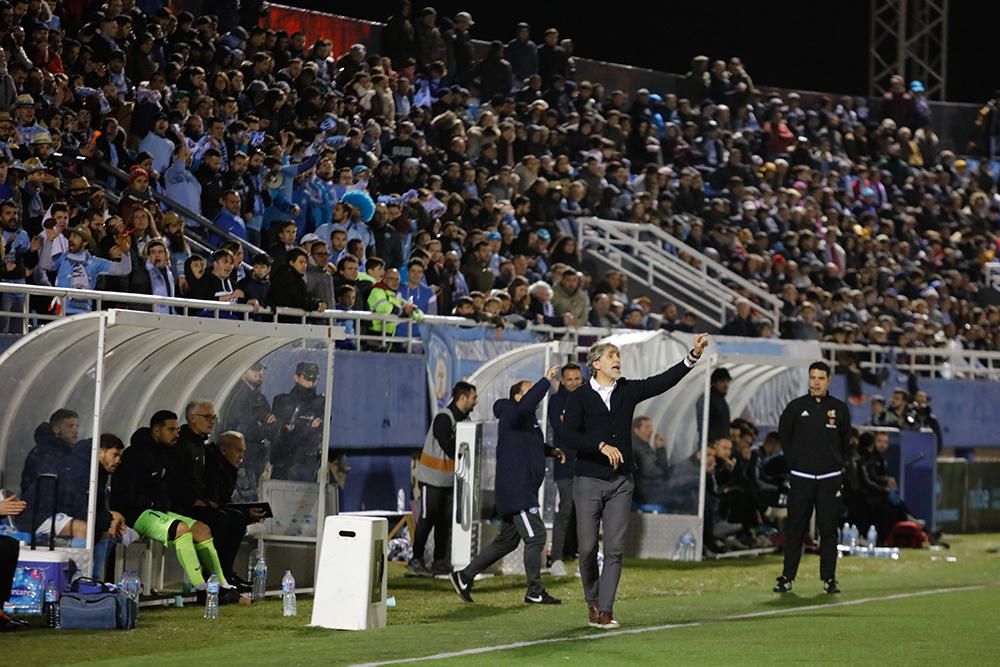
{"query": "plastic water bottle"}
[(288, 594), (400, 501), (872, 538), (52, 604), (685, 547), (133, 585), (212, 598), (845, 534), (259, 579), (854, 536), (252, 563)]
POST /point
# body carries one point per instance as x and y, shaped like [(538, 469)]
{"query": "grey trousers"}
[(609, 502), (561, 522), (527, 526)]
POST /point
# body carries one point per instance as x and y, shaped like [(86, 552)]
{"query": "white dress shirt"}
[(605, 392)]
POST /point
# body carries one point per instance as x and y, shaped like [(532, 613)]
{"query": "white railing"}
[(675, 270), (941, 362), (934, 362)]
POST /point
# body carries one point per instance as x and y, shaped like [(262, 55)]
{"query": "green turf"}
[(429, 619)]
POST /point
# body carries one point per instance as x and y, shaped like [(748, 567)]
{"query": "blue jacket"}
[(282, 197), (233, 224), (70, 463), (183, 187), (80, 271), (521, 451)]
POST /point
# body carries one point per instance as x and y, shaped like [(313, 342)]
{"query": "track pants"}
[(435, 513), (823, 495), (527, 526)]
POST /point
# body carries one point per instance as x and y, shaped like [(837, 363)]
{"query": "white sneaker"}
[(558, 569)]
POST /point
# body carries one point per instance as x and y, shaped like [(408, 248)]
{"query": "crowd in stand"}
[(451, 183)]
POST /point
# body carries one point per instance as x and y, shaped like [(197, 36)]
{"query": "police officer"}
[(814, 430), (299, 414), (436, 476)]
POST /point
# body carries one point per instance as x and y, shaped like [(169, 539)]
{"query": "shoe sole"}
[(610, 626), (454, 584)]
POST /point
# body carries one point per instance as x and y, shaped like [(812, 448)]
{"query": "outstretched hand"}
[(700, 343)]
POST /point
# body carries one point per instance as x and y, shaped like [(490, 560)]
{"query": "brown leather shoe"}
[(606, 621), (594, 616)]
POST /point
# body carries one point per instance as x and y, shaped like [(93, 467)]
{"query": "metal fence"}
[(942, 362)]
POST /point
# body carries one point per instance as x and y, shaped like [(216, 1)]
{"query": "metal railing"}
[(674, 270), (926, 362), (249, 248), (938, 362)]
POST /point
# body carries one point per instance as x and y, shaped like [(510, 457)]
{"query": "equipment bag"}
[(106, 609)]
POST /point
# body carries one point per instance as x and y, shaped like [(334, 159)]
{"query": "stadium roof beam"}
[(909, 38)]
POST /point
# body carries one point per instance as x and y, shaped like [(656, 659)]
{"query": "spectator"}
[(156, 277), (229, 219), (288, 287), (569, 299), (742, 324), (218, 285), (552, 59), (78, 269), (384, 299), (600, 313), (319, 281), (248, 411), (522, 53), (257, 285)]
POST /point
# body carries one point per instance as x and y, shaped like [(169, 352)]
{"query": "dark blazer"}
[(588, 421)]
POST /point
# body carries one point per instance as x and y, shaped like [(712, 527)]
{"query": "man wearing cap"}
[(24, 115), (522, 54), (78, 269), (298, 414), (464, 55)]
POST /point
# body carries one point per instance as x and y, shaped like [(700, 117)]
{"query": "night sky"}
[(788, 44)]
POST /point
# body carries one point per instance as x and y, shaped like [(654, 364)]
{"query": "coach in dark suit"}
[(598, 425)]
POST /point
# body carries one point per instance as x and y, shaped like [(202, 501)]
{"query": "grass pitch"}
[(919, 610)]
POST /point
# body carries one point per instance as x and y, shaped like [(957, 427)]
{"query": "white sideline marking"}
[(667, 626)]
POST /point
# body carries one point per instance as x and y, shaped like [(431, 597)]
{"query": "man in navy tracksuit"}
[(521, 453)]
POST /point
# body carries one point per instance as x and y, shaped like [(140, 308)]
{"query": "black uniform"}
[(246, 412), (140, 483), (298, 447), (814, 434), (187, 487)]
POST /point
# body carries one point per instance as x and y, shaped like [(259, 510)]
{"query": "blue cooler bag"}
[(94, 605)]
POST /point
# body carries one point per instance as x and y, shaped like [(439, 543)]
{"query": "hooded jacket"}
[(52, 456), (521, 451), (140, 483)]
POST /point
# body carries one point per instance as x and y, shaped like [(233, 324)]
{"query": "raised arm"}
[(658, 384)]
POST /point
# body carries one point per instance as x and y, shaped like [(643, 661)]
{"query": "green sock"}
[(209, 558), (188, 557)]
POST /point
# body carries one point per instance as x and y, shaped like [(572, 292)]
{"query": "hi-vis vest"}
[(435, 467)]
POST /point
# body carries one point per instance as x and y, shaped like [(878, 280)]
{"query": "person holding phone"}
[(598, 425), (9, 506)]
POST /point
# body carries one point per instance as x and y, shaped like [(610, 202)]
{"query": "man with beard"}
[(299, 418), (78, 269), (157, 278)]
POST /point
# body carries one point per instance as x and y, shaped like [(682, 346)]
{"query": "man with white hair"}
[(598, 425)]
